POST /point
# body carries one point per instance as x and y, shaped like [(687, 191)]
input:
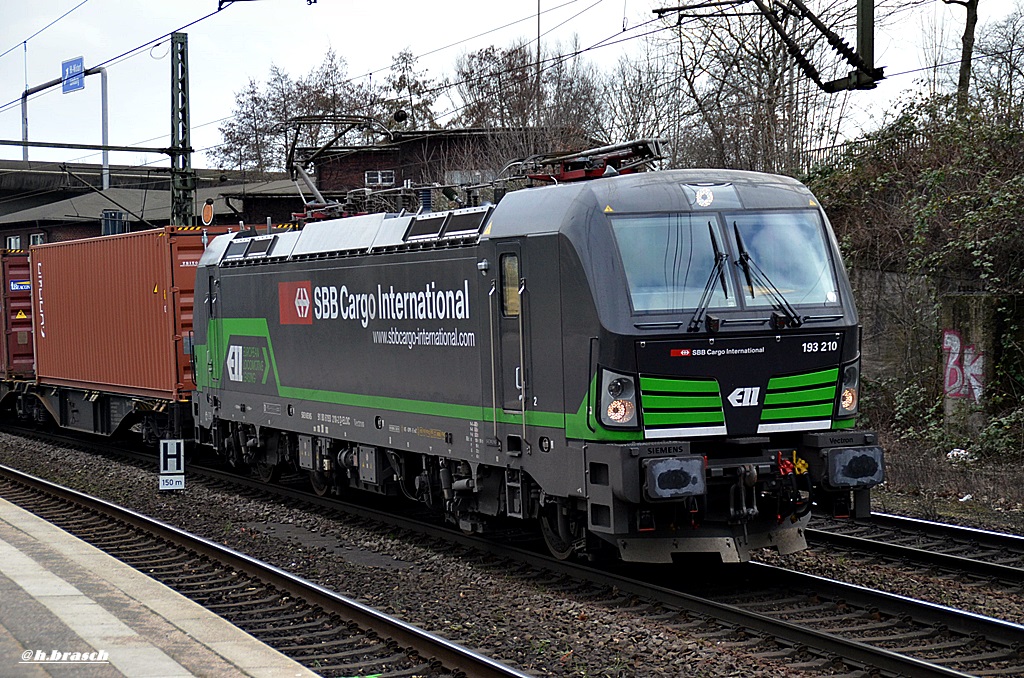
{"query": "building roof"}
[(35, 175), (149, 204)]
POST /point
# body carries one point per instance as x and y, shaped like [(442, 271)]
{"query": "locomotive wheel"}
[(559, 547), (234, 451), (265, 463), (320, 482), (268, 473)]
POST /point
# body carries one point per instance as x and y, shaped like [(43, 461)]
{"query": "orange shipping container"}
[(114, 314)]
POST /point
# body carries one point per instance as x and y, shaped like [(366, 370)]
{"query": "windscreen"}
[(669, 260), (791, 251)]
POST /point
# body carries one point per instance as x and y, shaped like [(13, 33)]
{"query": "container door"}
[(19, 356), (186, 249)]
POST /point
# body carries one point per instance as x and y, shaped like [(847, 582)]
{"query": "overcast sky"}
[(243, 40)]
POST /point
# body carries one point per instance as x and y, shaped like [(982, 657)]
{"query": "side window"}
[(510, 285), (380, 177)]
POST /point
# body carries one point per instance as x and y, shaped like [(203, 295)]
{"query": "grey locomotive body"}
[(657, 363)]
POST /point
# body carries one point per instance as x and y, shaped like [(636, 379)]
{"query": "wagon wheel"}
[(320, 482), (559, 546)]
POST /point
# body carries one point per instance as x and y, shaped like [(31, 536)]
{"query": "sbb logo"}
[(294, 300)]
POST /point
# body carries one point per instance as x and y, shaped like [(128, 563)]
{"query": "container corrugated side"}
[(108, 312)]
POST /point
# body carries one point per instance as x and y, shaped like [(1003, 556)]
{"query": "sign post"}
[(172, 464)]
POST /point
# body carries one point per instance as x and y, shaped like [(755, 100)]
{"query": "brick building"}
[(448, 156)]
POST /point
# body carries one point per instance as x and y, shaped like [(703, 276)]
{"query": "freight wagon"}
[(98, 332)]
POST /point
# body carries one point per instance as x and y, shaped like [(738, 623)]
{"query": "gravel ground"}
[(993, 600), (948, 505), (537, 628)]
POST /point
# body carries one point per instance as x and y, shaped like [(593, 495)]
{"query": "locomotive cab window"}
[(771, 241), (670, 259), (510, 285)]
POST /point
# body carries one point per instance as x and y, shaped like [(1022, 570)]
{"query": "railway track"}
[(976, 553), (808, 621), (328, 633), (884, 630), (757, 608)]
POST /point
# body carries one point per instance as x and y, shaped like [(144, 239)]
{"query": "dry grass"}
[(927, 485)]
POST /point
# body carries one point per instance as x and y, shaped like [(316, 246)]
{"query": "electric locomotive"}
[(654, 364)]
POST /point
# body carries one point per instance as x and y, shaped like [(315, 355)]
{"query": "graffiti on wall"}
[(964, 374)]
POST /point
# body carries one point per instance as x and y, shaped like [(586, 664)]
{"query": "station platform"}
[(70, 610)]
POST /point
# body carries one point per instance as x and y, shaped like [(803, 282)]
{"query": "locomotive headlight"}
[(621, 411), (849, 397), (621, 387), (848, 400), (618, 399)]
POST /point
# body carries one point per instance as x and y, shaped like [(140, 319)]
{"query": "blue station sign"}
[(72, 74)]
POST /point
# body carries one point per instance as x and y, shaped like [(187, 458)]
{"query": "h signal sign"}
[(172, 464)]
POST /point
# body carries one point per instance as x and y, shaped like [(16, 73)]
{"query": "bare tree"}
[(963, 85), (641, 97), (572, 107), (499, 92), (257, 136), (498, 87), (648, 97), (999, 81), (935, 52), (247, 137), (752, 107), (413, 92)]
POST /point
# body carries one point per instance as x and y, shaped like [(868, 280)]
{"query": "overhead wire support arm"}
[(837, 43), (64, 168), (700, 5), (864, 75), (86, 147), (794, 49), (861, 58)]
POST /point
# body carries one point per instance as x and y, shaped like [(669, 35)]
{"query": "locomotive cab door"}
[(214, 340), (511, 311)]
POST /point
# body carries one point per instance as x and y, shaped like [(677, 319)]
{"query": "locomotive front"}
[(722, 362)]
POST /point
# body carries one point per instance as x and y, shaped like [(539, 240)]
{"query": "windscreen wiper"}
[(717, 271), (754, 274)]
